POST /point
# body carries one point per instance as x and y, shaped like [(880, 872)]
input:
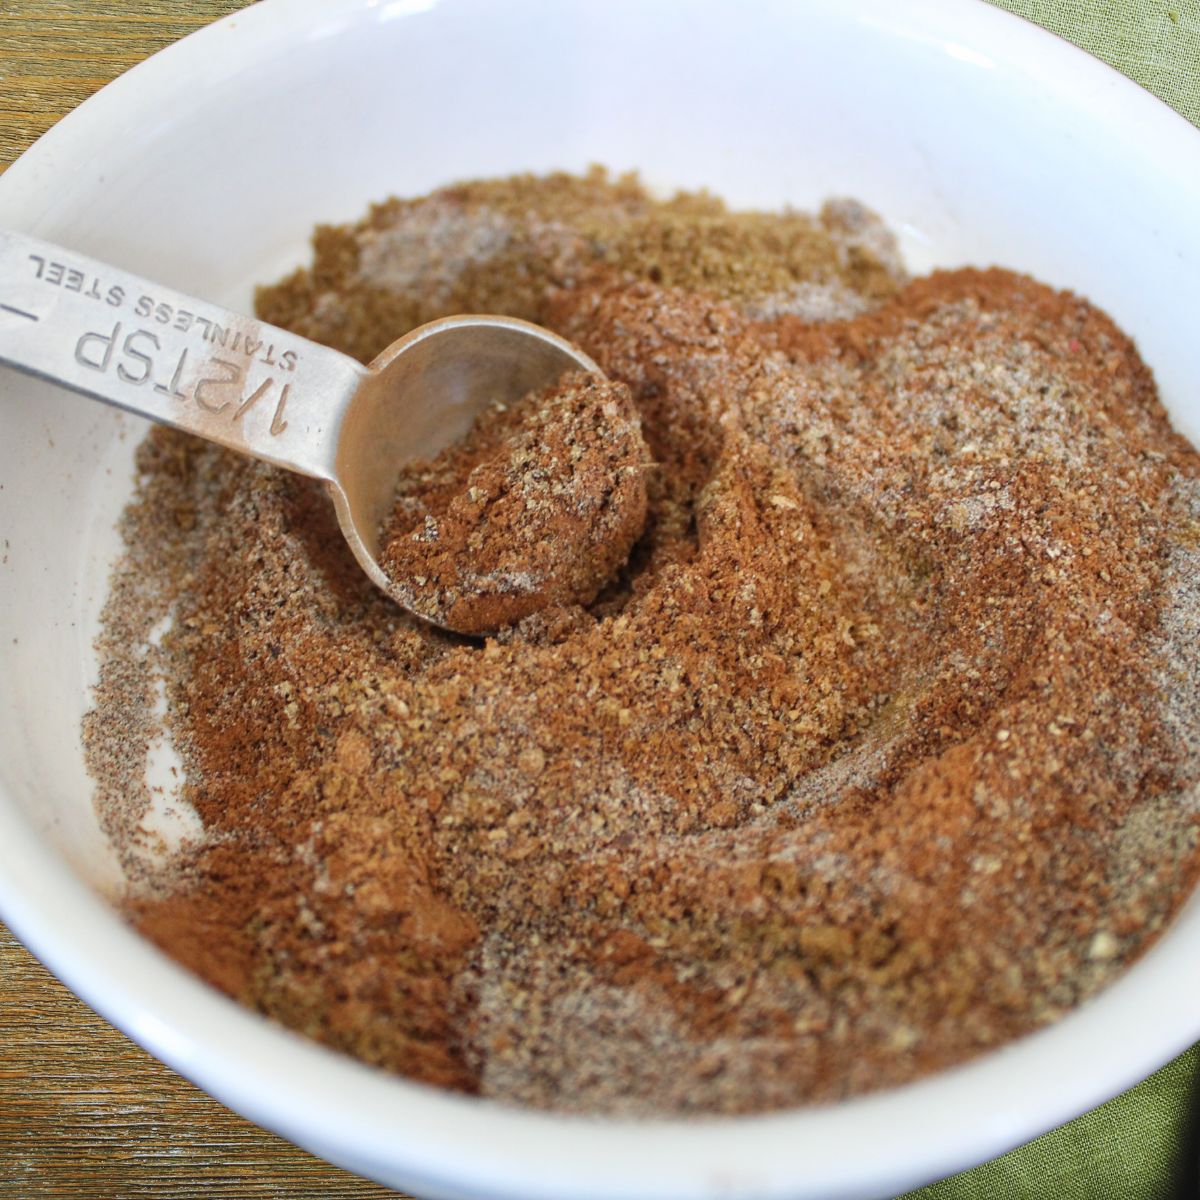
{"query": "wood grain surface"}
[(84, 1113)]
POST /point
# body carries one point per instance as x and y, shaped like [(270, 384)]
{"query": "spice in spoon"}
[(538, 506)]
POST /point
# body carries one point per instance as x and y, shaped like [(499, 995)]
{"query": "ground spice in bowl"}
[(881, 749)]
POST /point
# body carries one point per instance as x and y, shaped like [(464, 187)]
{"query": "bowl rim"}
[(386, 1126)]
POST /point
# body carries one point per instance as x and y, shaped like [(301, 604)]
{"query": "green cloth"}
[(1155, 42), (1132, 1148), (1139, 1146)]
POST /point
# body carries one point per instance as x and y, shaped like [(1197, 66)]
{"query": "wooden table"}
[(83, 1111)]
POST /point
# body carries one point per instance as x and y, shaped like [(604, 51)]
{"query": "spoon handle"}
[(132, 343)]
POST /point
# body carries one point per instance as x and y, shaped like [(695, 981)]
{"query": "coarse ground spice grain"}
[(883, 748)]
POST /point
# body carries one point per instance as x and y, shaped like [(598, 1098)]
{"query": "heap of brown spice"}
[(882, 750)]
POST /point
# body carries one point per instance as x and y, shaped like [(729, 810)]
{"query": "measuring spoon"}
[(260, 390)]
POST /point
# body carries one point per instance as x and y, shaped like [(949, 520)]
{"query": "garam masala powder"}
[(880, 749)]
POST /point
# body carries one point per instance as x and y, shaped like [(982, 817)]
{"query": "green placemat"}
[(1136, 1147), (1155, 42), (1141, 1145)]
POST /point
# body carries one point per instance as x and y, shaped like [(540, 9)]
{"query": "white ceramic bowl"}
[(980, 138)]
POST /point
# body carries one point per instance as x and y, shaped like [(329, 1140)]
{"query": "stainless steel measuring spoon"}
[(260, 390)]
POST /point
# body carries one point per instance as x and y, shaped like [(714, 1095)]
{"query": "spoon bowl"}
[(422, 393)]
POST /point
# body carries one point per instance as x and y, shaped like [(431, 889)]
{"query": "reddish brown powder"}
[(882, 750), (538, 507)]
